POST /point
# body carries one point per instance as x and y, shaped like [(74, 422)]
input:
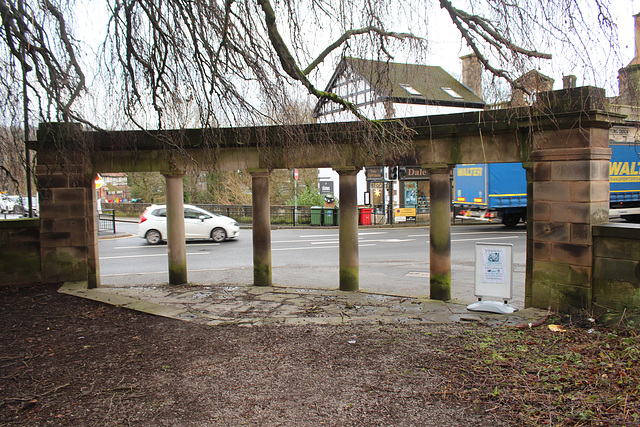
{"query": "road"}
[(392, 260)]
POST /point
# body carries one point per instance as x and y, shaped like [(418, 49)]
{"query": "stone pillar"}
[(528, 167), (571, 194), (348, 217), (91, 214), (176, 245), (261, 227), (440, 232), (68, 223)]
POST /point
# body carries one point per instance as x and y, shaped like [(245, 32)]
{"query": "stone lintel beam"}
[(176, 244), (579, 153), (440, 231), (348, 234), (262, 275)]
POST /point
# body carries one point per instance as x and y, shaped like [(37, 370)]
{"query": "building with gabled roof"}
[(382, 89)]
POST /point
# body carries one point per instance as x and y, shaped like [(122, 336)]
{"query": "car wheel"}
[(153, 237), (218, 235)]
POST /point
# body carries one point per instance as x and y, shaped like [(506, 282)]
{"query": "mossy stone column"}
[(261, 227), (348, 215), (528, 295), (440, 232), (570, 196), (91, 209), (68, 224), (176, 245)]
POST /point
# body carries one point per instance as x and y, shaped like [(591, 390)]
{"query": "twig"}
[(536, 323)]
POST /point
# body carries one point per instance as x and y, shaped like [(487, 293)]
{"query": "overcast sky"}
[(445, 50)]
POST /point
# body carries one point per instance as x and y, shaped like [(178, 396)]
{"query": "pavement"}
[(248, 305)]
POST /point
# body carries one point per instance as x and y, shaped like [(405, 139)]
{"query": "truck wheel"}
[(510, 220)]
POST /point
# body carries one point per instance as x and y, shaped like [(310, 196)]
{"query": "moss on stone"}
[(548, 291), (20, 262), (349, 279), (177, 273), (261, 273), (440, 286)]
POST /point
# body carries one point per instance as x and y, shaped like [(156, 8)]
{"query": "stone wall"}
[(616, 269), (20, 251)]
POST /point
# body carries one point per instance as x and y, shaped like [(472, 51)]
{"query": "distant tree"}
[(309, 196), (147, 186), (12, 168)]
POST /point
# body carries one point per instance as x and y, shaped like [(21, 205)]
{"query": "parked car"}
[(198, 224), (24, 206), (6, 204)]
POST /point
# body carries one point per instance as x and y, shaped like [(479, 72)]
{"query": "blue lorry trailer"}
[(497, 192)]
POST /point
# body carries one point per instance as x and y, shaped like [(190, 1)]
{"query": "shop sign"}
[(414, 173), (375, 173), (326, 187)]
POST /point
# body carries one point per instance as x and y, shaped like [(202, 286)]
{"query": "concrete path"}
[(253, 306)]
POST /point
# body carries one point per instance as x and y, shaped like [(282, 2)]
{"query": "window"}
[(451, 92), (410, 89), (162, 212), (192, 213)]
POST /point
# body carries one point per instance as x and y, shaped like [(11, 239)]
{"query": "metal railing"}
[(281, 215), (107, 220)]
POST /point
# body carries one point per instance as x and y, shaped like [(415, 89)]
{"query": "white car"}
[(198, 224), (6, 204)]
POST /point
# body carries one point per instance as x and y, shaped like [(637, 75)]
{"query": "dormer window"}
[(451, 92), (410, 89)]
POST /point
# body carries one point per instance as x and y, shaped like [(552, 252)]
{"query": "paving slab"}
[(254, 306)]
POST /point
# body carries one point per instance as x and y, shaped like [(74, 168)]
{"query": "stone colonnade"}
[(565, 152)]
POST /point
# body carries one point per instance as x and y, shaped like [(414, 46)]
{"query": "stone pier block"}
[(552, 191), (551, 232), (571, 253)]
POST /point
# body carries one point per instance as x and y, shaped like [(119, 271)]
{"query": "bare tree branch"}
[(350, 33)]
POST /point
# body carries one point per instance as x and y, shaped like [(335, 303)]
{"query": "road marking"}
[(360, 233), (150, 255), (329, 239), (156, 247), (485, 238), (165, 272), (332, 239), (321, 247), (476, 233), (421, 274)]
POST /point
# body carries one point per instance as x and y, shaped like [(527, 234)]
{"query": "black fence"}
[(285, 215), (280, 215), (107, 220)]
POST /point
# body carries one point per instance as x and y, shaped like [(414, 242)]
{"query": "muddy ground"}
[(68, 361)]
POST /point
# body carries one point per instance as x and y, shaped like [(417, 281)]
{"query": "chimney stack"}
[(569, 82), (472, 73), (629, 76)]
